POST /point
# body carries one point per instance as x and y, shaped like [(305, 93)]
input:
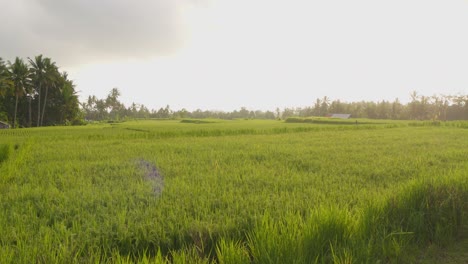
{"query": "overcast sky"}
[(261, 54)]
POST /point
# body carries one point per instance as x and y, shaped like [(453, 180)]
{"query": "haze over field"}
[(259, 54)]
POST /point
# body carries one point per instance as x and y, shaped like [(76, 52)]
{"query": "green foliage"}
[(331, 121), (5, 150), (233, 192), (320, 237), (230, 252), (440, 108), (422, 213), (37, 92), (431, 211), (200, 121), (3, 117)]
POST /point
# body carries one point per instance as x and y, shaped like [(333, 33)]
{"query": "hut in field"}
[(341, 116), (4, 125)]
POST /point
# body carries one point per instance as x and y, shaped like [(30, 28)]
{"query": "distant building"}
[(342, 116), (4, 125)]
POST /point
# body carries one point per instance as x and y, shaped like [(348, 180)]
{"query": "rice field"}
[(239, 191)]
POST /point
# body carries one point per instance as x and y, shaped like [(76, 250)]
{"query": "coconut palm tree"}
[(5, 83), (38, 71), (324, 105), (45, 75), (52, 77), (19, 76), (30, 95)]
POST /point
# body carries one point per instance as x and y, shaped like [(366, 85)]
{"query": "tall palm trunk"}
[(44, 105), (39, 107), (30, 117), (16, 109)]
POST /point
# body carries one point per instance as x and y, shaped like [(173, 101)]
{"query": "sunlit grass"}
[(234, 191)]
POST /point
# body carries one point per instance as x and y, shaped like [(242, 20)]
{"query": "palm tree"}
[(51, 78), (5, 83), (38, 70), (324, 106), (317, 107), (19, 76), (30, 94), (45, 75)]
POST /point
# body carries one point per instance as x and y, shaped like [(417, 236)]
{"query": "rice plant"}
[(241, 191)]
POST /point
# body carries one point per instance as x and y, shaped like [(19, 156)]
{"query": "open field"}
[(232, 192)]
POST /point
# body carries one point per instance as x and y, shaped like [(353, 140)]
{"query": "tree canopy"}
[(36, 92)]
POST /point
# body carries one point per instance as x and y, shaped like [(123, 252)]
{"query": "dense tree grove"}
[(36, 93), (420, 108)]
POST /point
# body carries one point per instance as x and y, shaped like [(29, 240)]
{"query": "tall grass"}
[(422, 213), (426, 212), (234, 191), (5, 150)]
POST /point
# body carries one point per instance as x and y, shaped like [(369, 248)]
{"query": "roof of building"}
[(342, 116)]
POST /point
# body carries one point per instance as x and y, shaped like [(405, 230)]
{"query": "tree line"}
[(436, 107), (110, 108), (420, 107), (36, 93)]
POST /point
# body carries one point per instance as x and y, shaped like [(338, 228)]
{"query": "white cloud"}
[(84, 31), (261, 54)]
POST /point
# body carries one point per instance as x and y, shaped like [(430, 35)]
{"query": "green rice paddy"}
[(241, 191)]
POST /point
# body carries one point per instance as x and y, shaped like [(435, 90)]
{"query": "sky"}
[(259, 54)]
